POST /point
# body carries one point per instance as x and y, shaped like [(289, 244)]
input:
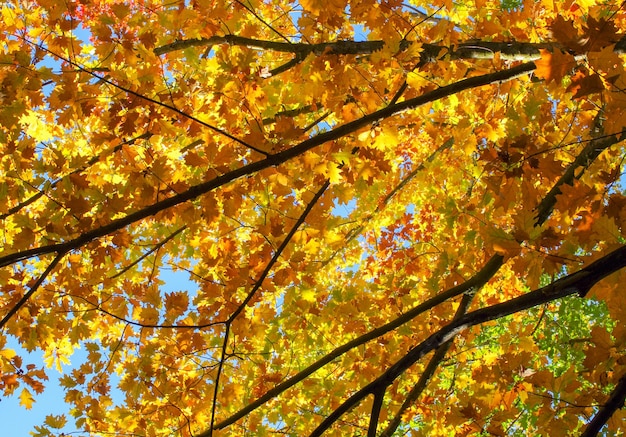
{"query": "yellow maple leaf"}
[(26, 399), (333, 172), (309, 295), (330, 170), (38, 128), (56, 421)]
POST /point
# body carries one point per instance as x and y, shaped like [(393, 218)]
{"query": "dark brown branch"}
[(280, 250), (218, 376), (510, 51), (338, 47), (440, 353), (286, 66), (418, 388), (582, 161), (156, 247), (477, 49), (428, 372), (614, 403), (32, 289), (317, 121), (257, 285), (99, 308), (379, 397), (576, 283), (475, 282), (270, 161)]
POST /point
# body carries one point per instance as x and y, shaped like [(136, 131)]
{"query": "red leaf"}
[(584, 84), (564, 32)]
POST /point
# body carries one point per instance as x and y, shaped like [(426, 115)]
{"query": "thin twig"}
[(257, 285), (146, 98), (32, 289)]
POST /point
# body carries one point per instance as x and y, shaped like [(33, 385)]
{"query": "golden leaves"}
[(330, 170), (328, 12), (585, 84), (419, 198), (39, 128), (176, 304)]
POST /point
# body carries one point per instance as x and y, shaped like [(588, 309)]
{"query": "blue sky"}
[(17, 421)]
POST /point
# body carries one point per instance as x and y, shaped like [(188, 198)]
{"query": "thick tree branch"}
[(428, 372), (286, 66), (510, 51), (576, 283), (270, 161), (614, 403), (379, 397), (418, 388), (440, 353)]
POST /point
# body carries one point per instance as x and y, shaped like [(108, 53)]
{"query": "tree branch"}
[(98, 307), (473, 49), (379, 397), (442, 350), (286, 66), (272, 160), (32, 289), (583, 160), (153, 249), (510, 51), (614, 403), (428, 372), (576, 283), (475, 282), (280, 250), (257, 285)]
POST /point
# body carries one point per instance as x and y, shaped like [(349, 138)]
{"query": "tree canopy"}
[(396, 218)]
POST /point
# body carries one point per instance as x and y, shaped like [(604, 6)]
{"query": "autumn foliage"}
[(389, 218)]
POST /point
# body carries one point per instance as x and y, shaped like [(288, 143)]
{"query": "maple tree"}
[(399, 218)]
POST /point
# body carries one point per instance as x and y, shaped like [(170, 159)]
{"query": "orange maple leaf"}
[(554, 66)]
